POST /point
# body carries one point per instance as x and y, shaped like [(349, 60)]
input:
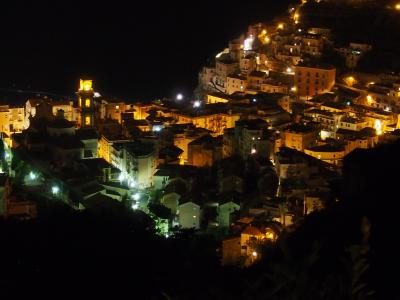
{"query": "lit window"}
[(87, 120), (87, 102), (80, 102)]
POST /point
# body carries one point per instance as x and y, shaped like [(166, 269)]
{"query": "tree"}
[(160, 211)]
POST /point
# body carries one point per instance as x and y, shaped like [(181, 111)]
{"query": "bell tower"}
[(86, 103)]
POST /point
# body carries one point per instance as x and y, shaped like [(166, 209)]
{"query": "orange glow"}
[(86, 85)]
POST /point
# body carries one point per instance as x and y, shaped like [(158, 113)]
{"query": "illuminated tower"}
[(86, 103)]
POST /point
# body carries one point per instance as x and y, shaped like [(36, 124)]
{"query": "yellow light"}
[(324, 134), (264, 32), (87, 102), (254, 253), (369, 99), (293, 89), (350, 81), (296, 16), (398, 6), (280, 26), (270, 235), (86, 85), (267, 39), (378, 127), (87, 120)]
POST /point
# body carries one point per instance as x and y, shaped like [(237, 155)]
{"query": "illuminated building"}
[(312, 44), (189, 214), (206, 76), (351, 123), (252, 138), (205, 151), (311, 80), (225, 210), (137, 162), (213, 98), (255, 79), (235, 83), (115, 110), (247, 64), (105, 146), (208, 119), (224, 66), (299, 137), (273, 87), (332, 154), (141, 109), (11, 119), (86, 103)]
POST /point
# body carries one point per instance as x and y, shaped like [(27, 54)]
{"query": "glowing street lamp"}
[(280, 26), (32, 175), (350, 81), (196, 104), (132, 184), (369, 99), (54, 190), (121, 177), (179, 97), (254, 254), (253, 151), (397, 6), (378, 127)]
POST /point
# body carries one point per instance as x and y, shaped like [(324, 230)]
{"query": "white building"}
[(189, 215)]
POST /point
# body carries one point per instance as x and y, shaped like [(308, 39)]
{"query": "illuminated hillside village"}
[(248, 157)]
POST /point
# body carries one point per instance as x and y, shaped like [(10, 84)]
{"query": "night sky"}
[(134, 51)]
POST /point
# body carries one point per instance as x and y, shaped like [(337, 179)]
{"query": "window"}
[(87, 102), (87, 120)]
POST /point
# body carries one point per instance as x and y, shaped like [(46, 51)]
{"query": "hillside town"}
[(258, 147)]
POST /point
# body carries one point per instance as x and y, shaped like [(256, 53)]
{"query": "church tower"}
[(86, 103)]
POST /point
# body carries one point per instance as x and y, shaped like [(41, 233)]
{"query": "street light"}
[(32, 176), (132, 184), (179, 97), (55, 189)]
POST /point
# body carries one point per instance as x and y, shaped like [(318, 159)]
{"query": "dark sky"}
[(137, 50)]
